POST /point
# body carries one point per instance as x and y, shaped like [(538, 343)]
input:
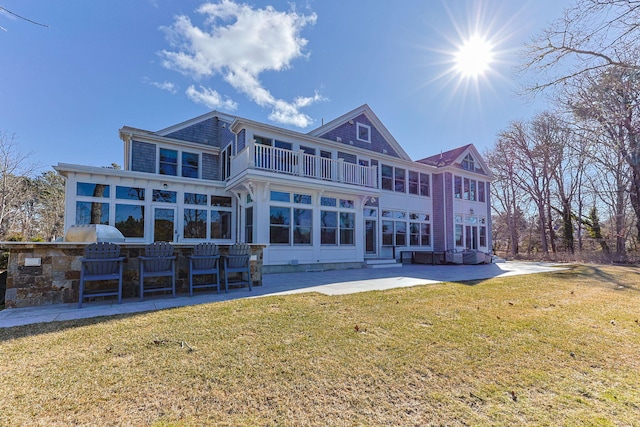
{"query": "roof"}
[(446, 158)]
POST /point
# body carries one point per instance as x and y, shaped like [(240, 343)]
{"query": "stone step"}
[(382, 263)]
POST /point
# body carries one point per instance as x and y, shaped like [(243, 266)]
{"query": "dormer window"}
[(468, 163), (363, 132)]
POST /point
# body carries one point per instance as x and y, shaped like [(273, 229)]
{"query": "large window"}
[(279, 225), (129, 215), (418, 183), (394, 228), (195, 223), (328, 227), (347, 228), (168, 163), (190, 165), (481, 188), (457, 187), (288, 221), (419, 229), (220, 222), (337, 221), (92, 211)]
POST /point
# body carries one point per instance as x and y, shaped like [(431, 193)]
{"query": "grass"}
[(546, 349)]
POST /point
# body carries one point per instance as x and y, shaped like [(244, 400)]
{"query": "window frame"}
[(367, 128)]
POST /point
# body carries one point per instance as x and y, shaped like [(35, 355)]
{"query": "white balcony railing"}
[(279, 160)]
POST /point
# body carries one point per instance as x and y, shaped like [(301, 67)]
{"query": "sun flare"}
[(474, 57)]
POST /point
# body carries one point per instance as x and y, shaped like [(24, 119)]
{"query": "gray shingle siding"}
[(213, 132), (143, 157), (242, 138), (347, 133), (210, 167)]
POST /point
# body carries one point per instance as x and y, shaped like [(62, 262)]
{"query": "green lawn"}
[(546, 349)]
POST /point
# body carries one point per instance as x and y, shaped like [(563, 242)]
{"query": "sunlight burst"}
[(474, 57)]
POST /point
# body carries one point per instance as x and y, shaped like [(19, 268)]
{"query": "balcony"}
[(298, 163)]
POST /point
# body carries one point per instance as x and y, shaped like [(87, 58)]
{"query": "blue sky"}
[(66, 89)]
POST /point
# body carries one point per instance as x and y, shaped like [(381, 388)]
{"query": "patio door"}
[(164, 224), (471, 237), (370, 234)]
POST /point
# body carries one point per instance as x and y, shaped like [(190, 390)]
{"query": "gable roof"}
[(375, 121), (454, 158), (446, 158)]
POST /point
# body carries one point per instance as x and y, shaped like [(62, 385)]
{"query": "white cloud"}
[(239, 43), (168, 86), (210, 98)]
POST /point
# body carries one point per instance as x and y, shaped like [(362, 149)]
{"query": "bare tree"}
[(14, 186), (593, 35), (608, 103)]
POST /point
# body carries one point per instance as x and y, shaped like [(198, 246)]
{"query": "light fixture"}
[(165, 185)]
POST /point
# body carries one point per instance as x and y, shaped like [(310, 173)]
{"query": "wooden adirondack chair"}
[(237, 261), (158, 261), (101, 261), (204, 261)]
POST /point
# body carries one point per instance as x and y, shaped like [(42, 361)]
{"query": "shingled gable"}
[(202, 129), (454, 158), (343, 129)]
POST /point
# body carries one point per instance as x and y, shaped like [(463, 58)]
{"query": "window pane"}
[(302, 198), (165, 196), (457, 187), (481, 191), (328, 201), (222, 201), (279, 196), (190, 165), (424, 184), (347, 224), (328, 227), (303, 225), (348, 204), (130, 220), (129, 193), (458, 235), (387, 233), (466, 189), (195, 224), (400, 180), (220, 224), (280, 220), (387, 177), (92, 190), (425, 234), (168, 162), (195, 199), (92, 213), (401, 233), (413, 182)]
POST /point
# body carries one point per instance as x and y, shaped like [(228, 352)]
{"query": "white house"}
[(335, 197)]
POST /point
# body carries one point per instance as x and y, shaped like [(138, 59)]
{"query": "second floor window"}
[(188, 167), (168, 162)]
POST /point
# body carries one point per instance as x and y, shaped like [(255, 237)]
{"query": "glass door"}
[(164, 224), (471, 237), (370, 233)]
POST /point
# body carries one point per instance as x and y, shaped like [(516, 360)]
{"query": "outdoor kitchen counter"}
[(49, 273)]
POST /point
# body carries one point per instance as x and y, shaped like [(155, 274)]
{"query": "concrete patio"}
[(334, 282)]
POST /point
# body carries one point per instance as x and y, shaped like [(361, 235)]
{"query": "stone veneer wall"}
[(57, 279)]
